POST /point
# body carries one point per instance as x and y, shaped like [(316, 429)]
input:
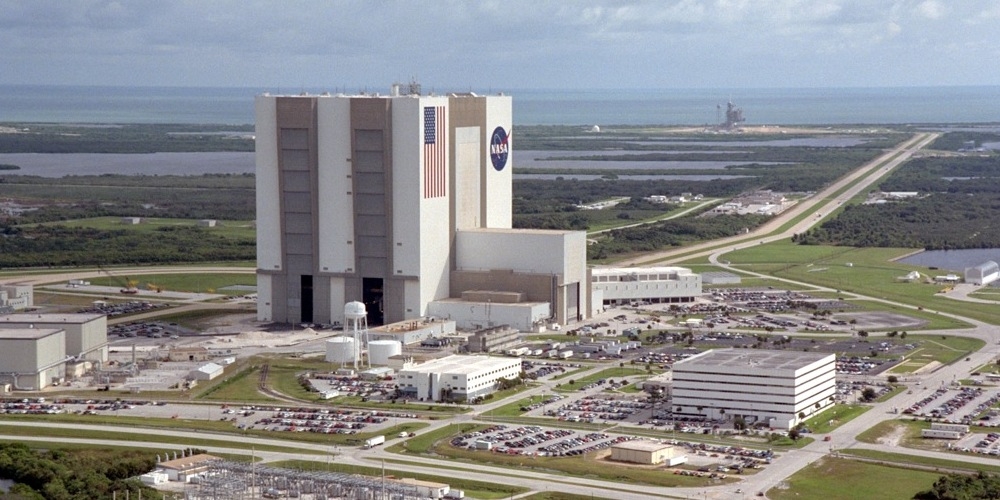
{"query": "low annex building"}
[(779, 388), (655, 285), (647, 452), (184, 468), (456, 378)]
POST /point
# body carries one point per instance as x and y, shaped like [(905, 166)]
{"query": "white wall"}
[(268, 188), (467, 175), (497, 194), (265, 301), (518, 249), (420, 226), (335, 201), (473, 315)]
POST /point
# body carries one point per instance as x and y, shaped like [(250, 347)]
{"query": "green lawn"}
[(941, 348), (839, 478), (834, 417), (867, 271), (191, 283), (921, 460), (606, 374), (514, 409), (241, 228)]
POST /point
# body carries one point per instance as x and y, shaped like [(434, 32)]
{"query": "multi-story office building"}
[(397, 201), (779, 388)]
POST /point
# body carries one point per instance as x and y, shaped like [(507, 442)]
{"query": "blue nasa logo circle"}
[(499, 148)]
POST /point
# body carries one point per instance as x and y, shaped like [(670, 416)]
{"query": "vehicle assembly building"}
[(398, 201), (773, 387)]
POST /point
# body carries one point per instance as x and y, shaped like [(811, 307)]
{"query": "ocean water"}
[(831, 106)]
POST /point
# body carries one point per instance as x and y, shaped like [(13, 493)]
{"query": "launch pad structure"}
[(227, 480)]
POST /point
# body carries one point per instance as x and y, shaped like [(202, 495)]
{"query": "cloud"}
[(510, 43), (931, 9)]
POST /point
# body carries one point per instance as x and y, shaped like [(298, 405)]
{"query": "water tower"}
[(357, 325)]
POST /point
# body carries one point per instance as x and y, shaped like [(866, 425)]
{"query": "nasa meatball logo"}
[(499, 148)]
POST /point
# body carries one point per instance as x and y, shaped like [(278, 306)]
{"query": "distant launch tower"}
[(734, 116)]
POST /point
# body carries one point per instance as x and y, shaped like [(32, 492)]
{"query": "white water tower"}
[(357, 325)]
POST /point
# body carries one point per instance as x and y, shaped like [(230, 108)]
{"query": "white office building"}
[(654, 285), (778, 388), (456, 378), (397, 201)]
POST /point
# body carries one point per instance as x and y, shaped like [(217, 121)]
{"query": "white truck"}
[(374, 441)]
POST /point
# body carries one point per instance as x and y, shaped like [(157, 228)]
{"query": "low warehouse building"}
[(207, 371), (426, 489), (413, 331), (457, 378), (656, 285), (184, 468), (647, 452)]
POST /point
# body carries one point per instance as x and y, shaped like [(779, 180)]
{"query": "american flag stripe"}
[(435, 152)]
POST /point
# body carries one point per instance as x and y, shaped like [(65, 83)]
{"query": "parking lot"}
[(537, 441)]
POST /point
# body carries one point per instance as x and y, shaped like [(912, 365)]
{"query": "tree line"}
[(75, 474)]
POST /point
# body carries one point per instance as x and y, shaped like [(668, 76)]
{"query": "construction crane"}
[(128, 286)]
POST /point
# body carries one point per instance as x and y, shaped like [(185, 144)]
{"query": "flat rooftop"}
[(642, 445), (608, 271), (753, 358), (462, 364), (26, 333), (69, 319)]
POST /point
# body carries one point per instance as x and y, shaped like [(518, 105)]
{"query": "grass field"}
[(867, 271), (242, 228), (921, 460), (941, 348), (590, 465), (606, 374), (839, 478), (189, 282), (514, 409), (834, 417)]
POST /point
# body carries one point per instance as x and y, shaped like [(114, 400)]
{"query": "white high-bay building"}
[(456, 378), (397, 201), (774, 387), (656, 285)]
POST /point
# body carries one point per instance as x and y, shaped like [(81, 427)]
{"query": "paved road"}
[(822, 202)]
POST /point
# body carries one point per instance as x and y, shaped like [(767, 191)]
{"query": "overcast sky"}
[(511, 44)]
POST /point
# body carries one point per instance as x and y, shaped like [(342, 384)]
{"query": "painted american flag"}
[(435, 152)]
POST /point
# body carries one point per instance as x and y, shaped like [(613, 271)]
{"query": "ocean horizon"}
[(603, 107)]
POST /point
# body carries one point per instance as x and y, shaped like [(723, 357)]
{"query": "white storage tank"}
[(341, 350), (379, 351)]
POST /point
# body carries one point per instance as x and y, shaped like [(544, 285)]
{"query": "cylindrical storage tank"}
[(379, 351), (341, 350)]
